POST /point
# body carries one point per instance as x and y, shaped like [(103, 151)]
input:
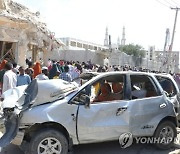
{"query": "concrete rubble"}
[(22, 33)]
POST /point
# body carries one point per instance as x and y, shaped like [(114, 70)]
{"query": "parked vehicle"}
[(53, 115)]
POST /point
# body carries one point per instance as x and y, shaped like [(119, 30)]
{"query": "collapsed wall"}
[(22, 32)]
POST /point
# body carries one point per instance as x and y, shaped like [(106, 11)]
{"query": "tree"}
[(136, 51)]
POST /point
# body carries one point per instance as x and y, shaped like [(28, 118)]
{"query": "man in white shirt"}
[(9, 78), (44, 74)]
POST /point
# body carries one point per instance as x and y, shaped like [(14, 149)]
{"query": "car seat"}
[(150, 89)]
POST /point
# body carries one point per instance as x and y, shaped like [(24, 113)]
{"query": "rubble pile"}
[(19, 24)]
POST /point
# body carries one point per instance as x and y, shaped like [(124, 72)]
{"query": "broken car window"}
[(167, 85), (141, 87)]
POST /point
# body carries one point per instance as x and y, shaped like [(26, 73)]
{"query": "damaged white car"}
[(51, 116)]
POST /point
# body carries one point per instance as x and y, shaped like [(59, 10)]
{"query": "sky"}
[(145, 21)]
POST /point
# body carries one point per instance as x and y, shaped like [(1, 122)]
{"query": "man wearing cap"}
[(44, 74)]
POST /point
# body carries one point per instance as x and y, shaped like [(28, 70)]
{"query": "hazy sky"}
[(145, 21)]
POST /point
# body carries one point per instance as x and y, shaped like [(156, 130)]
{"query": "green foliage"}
[(134, 50)]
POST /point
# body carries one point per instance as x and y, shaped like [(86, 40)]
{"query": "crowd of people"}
[(12, 75)]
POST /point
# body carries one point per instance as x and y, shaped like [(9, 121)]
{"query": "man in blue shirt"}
[(22, 78)]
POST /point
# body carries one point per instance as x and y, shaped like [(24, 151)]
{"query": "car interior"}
[(108, 89), (142, 86)]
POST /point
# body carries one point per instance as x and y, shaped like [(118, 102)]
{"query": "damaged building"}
[(23, 35)]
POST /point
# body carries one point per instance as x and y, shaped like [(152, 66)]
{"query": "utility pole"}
[(172, 39)]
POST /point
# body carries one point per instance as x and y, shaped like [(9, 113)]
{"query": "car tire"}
[(166, 131), (48, 141)]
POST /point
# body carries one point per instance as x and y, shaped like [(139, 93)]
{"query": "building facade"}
[(76, 44)]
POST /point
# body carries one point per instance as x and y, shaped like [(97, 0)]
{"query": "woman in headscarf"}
[(2, 72), (37, 69), (53, 71), (3, 64)]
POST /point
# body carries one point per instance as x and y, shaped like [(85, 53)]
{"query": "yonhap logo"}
[(125, 140)]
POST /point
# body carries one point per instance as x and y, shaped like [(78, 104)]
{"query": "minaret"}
[(106, 40), (123, 40)]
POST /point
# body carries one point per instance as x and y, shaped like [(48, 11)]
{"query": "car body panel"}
[(147, 113), (102, 122), (59, 112), (11, 129)]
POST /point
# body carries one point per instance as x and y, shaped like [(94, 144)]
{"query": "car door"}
[(148, 105), (170, 87), (105, 120)]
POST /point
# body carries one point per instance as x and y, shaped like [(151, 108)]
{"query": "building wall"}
[(80, 55), (115, 57), (76, 44)]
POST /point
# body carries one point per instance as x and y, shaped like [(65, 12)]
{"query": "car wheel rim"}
[(49, 145), (166, 135)]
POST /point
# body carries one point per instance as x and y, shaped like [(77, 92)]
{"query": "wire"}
[(171, 3), (175, 3), (163, 4), (168, 2)]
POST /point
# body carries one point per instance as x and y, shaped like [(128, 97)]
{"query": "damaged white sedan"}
[(50, 116)]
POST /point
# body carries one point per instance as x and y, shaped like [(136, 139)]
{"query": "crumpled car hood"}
[(48, 91), (51, 90), (20, 98)]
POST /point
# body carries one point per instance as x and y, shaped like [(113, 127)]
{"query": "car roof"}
[(126, 72), (97, 75)]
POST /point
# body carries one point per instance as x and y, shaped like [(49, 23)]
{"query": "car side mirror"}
[(85, 99), (166, 93)]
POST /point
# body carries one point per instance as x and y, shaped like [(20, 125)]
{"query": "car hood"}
[(39, 92), (51, 90), (21, 98)]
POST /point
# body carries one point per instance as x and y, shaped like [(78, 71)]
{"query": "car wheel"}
[(165, 135), (48, 141)]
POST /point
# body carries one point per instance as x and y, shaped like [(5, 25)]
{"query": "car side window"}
[(167, 85), (107, 89), (142, 86)]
